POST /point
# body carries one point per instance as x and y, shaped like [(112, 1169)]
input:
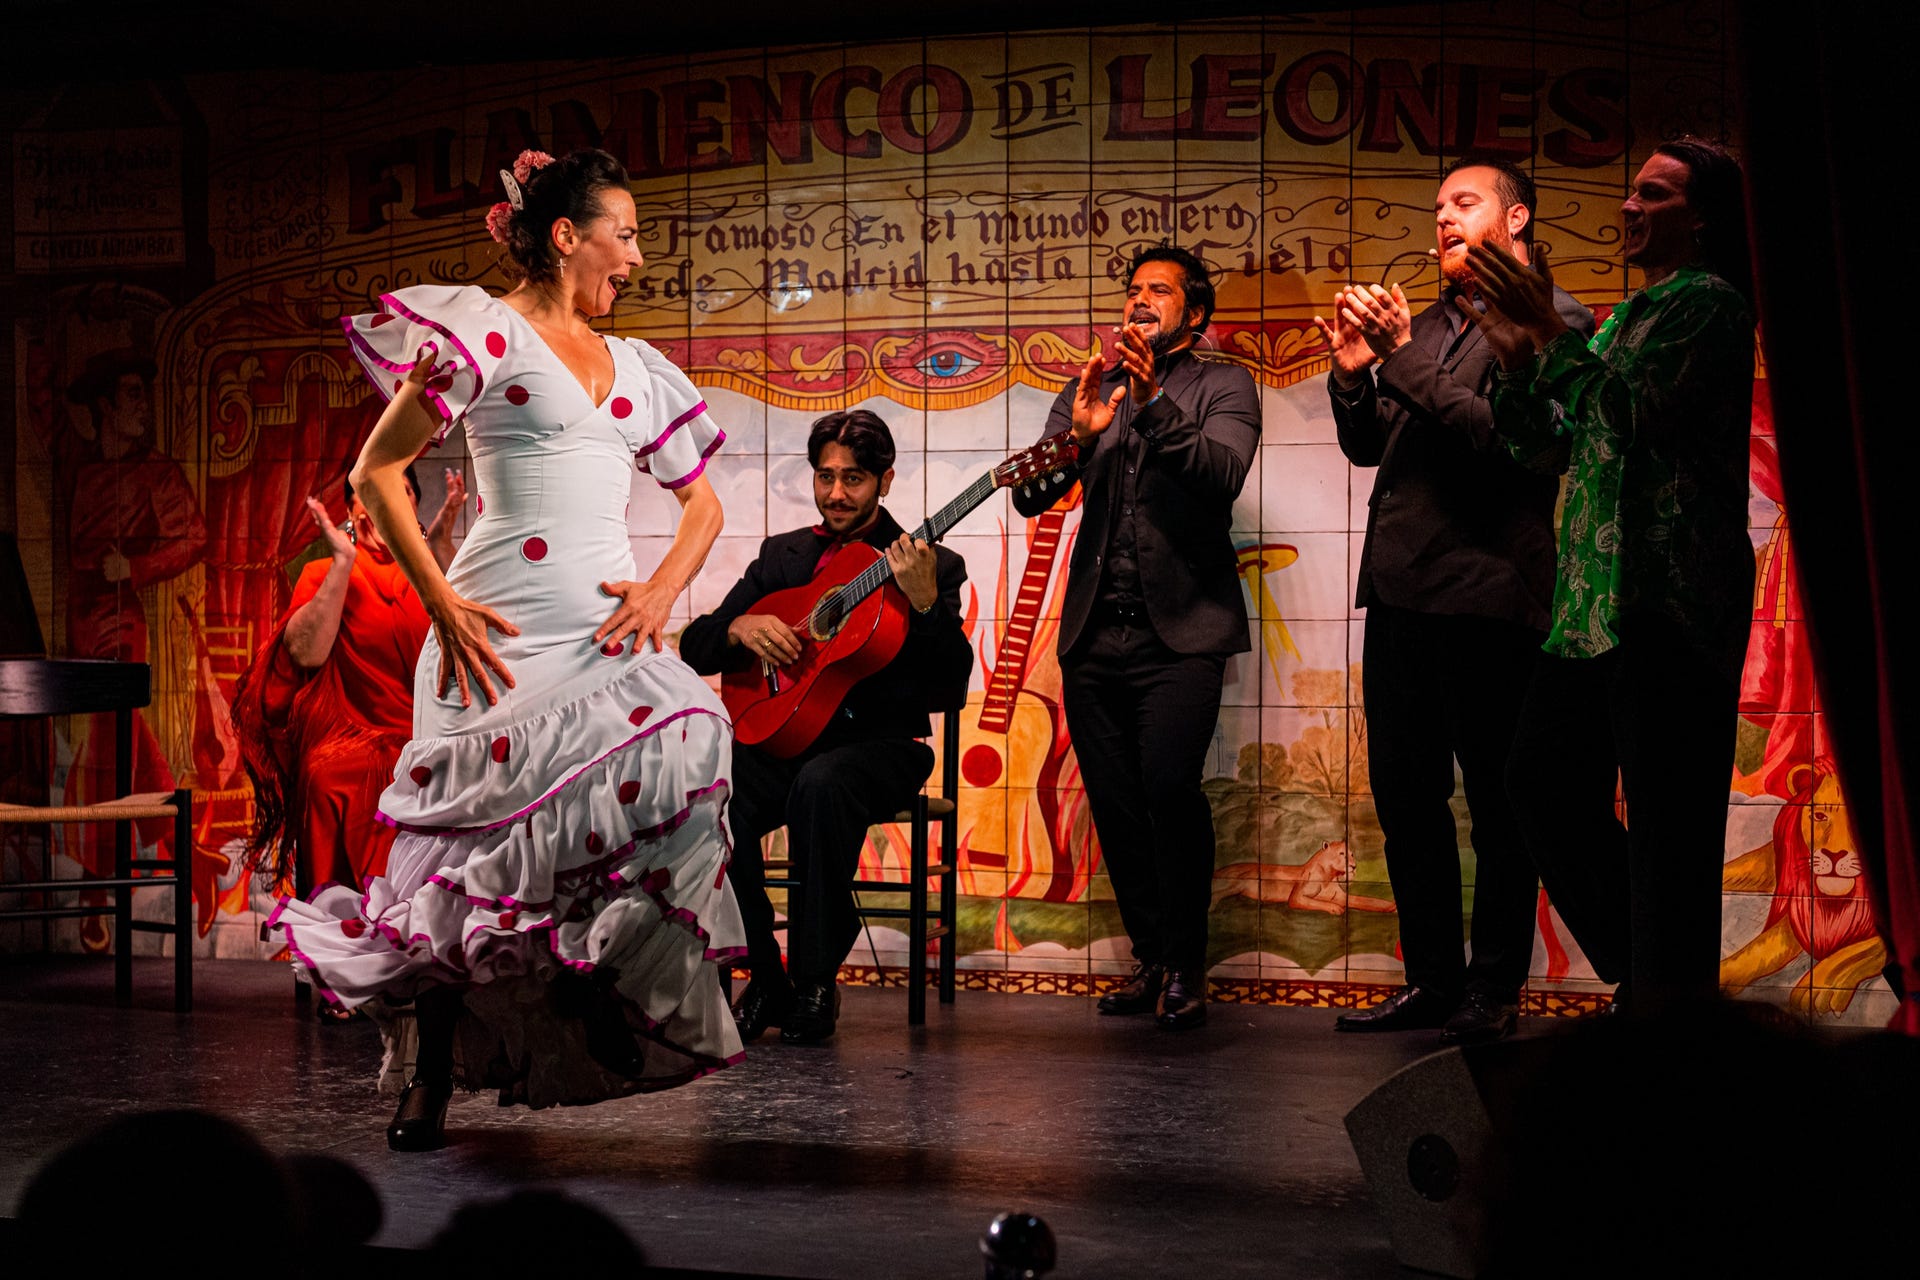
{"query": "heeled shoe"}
[(593, 1001), (420, 1121), (611, 1043)]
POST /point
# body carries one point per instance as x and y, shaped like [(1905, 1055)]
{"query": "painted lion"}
[(1820, 906)]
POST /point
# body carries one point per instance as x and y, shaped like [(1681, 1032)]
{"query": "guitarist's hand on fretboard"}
[(915, 569), (766, 638)]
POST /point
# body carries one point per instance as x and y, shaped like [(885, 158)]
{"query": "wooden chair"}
[(922, 926), (48, 687)]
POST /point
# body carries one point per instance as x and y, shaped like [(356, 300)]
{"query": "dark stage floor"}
[(1217, 1152)]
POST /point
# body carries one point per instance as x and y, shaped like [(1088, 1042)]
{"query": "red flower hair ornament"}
[(525, 165)]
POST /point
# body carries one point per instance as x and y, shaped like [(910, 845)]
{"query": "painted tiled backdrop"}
[(934, 230)]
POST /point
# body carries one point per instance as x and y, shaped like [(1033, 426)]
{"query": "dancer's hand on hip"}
[(643, 611), (466, 659)]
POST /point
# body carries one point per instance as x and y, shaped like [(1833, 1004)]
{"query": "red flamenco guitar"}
[(853, 617)]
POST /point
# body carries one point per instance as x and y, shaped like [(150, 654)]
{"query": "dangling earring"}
[(353, 532)]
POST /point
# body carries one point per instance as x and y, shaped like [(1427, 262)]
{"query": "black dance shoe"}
[(420, 1121), (1184, 1005), (602, 1016), (1408, 1009), (610, 1042), (1482, 1017), (816, 1008), (762, 1005), (1138, 994)]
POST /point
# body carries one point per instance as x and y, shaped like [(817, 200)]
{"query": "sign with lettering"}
[(101, 199)]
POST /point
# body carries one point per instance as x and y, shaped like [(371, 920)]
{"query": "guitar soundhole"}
[(825, 619)]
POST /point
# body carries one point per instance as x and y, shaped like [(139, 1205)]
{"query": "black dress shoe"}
[(1408, 1009), (1137, 994), (1482, 1017), (816, 1008), (1185, 1003), (420, 1121), (762, 1005)]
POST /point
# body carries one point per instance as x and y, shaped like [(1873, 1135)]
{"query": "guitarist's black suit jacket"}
[(1455, 525), (929, 673), (1193, 449)]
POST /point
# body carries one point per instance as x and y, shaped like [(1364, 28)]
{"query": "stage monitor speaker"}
[(1431, 1142), (1677, 1138)]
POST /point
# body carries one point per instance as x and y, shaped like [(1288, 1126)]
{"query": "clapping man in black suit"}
[(1456, 577), (1153, 610)]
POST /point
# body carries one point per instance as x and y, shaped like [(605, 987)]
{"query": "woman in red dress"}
[(328, 702)]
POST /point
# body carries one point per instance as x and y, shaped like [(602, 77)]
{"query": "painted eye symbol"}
[(946, 362)]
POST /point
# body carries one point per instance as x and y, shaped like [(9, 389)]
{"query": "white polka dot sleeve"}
[(683, 435), (446, 324)]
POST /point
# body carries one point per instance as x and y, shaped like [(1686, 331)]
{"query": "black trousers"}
[(826, 800), (1441, 688), (1142, 717), (1642, 900)]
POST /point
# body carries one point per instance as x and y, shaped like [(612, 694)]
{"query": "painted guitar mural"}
[(854, 619)]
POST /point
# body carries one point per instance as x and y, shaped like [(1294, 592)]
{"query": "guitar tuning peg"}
[(1043, 483), (1026, 491), (1059, 477)]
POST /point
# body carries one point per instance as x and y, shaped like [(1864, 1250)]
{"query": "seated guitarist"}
[(866, 760)]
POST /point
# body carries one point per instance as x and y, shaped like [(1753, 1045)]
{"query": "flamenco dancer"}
[(556, 903)]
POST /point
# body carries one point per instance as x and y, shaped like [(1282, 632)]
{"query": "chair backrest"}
[(950, 751)]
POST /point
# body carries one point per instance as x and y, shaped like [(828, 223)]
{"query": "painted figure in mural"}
[(327, 704), (1455, 575), (135, 524), (1651, 609), (1820, 914), (866, 761), (1153, 609), (555, 904)]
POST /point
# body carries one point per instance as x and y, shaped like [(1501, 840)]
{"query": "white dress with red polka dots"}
[(578, 824)]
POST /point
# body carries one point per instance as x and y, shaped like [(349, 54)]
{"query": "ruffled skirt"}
[(577, 854)]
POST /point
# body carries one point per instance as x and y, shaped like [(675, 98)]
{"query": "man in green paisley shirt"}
[(1641, 669)]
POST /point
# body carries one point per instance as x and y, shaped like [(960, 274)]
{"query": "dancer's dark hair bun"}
[(569, 187)]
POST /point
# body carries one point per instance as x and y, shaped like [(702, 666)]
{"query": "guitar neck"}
[(932, 529), (1043, 464)]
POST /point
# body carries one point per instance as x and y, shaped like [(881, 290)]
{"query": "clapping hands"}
[(1520, 317), (1369, 323)]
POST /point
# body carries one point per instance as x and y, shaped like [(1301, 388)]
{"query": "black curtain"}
[(1829, 142)]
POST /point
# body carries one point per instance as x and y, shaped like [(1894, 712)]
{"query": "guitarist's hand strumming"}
[(766, 638)]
